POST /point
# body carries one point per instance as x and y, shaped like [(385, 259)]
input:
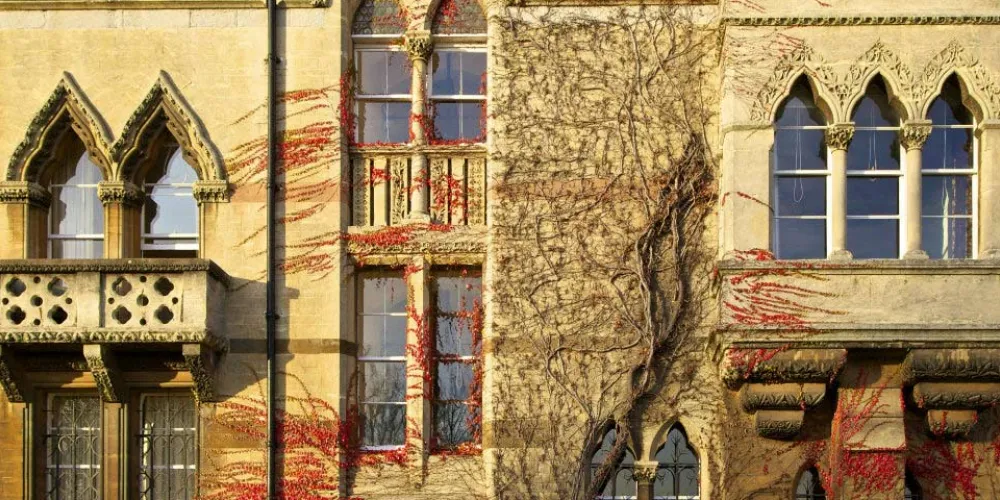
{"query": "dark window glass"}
[(382, 360), (677, 475), (620, 485), (874, 150), (458, 121), (798, 195), (800, 238), (947, 237), (809, 486), (912, 490), (799, 149), (873, 238), (458, 372), (873, 196), (874, 109), (379, 17)]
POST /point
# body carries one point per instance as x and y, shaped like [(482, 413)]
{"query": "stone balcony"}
[(168, 312)]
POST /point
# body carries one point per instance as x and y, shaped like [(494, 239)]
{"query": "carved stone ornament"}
[(457, 240), (784, 424), (200, 361), (954, 424), (963, 364), (163, 107), (11, 372), (792, 365), (66, 108), (838, 137), (863, 21), (419, 46), (115, 336), (119, 192), (789, 396), (644, 474), (107, 377), (956, 395), (25, 193), (914, 135), (118, 266), (211, 191)]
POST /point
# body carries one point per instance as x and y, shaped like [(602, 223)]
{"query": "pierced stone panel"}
[(37, 301), (142, 300)]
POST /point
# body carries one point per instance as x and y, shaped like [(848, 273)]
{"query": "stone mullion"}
[(418, 359), (989, 189), (419, 48), (913, 137), (838, 138), (122, 218)]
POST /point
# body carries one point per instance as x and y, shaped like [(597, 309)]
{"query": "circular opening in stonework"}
[(142, 300), (37, 280), (142, 322), (16, 287), (121, 315), (16, 315), (174, 300), (36, 301), (164, 314), (57, 287), (5, 301), (121, 286), (69, 300), (142, 279), (36, 322), (58, 315), (163, 286)]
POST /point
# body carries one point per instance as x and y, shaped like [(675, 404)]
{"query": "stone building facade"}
[(849, 347)]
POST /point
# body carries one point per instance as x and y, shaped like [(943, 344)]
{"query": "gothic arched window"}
[(382, 93), (874, 177), (677, 470), (457, 83), (801, 178), (76, 216), (949, 177), (620, 485), (809, 486), (170, 212)]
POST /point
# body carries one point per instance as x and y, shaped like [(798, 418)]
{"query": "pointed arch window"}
[(801, 178), (621, 484), (809, 486), (170, 212), (677, 470), (457, 83), (76, 216), (382, 95), (948, 183), (874, 174)]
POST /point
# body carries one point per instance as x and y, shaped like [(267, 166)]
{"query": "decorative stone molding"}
[(863, 21), (153, 4), (211, 191), (792, 365), (956, 395), (954, 385), (163, 107), (464, 240), (838, 136), (200, 362), (644, 473), (120, 192), (62, 266), (779, 424), (786, 396), (115, 336), (965, 364), (915, 134), (418, 45), (11, 373), (24, 192), (104, 369), (954, 424), (67, 107)]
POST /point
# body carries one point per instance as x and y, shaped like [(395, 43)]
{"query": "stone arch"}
[(164, 110), (824, 100), (67, 111), (377, 17), (978, 84), (970, 95), (660, 440), (801, 61), (897, 101), (466, 8)]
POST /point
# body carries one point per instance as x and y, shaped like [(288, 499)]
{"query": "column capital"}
[(418, 45), (24, 192), (120, 192), (914, 134), (644, 472), (839, 135)]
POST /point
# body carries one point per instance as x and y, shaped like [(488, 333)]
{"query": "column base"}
[(841, 255), (417, 218), (916, 255)]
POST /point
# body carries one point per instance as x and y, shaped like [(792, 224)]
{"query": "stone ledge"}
[(153, 4), (865, 336), (728, 267), (116, 336), (54, 266)]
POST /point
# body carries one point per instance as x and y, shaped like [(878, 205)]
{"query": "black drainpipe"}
[(271, 315)]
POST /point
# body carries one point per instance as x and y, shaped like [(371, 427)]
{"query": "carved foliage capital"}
[(10, 377), (25, 193), (211, 191), (200, 361), (419, 46), (118, 192), (645, 473), (838, 136), (914, 135), (105, 371)]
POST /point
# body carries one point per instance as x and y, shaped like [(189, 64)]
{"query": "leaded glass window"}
[(170, 212), (458, 345), (874, 177), (621, 484), (379, 17), (73, 447), (677, 470), (949, 177), (456, 17), (76, 216), (809, 486), (168, 447), (382, 361), (801, 178)]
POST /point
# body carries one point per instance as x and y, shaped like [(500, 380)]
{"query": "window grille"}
[(168, 447), (677, 470), (73, 447)]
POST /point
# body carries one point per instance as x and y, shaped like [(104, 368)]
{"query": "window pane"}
[(454, 423), (384, 382), (385, 425), (167, 445), (77, 249), (948, 148), (800, 195), (947, 195), (384, 122), (873, 150), (800, 109), (874, 109), (799, 150), (458, 120), (73, 448), (454, 381), (76, 210), (458, 294), (944, 112), (947, 237), (167, 213), (873, 239), (447, 76), (800, 238), (454, 336), (872, 196), (383, 72), (384, 295)]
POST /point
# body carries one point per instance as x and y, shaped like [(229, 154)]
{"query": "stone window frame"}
[(119, 437)]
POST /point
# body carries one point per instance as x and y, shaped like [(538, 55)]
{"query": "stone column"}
[(419, 48), (644, 474), (838, 138), (26, 214), (209, 194), (913, 137), (989, 189), (122, 219), (418, 390)]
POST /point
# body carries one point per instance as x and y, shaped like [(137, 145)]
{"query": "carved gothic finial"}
[(839, 136), (914, 135), (419, 46)]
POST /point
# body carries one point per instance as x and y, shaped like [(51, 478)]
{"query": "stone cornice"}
[(861, 267), (55, 266), (153, 4), (862, 21), (115, 336)]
